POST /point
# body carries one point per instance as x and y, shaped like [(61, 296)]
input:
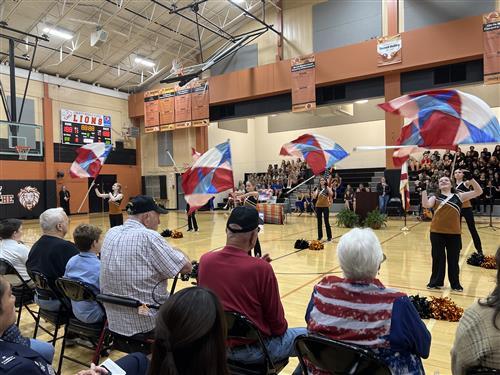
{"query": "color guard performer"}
[(324, 197), (115, 198)]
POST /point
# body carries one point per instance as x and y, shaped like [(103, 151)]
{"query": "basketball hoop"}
[(23, 152)]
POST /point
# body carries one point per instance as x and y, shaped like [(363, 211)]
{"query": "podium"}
[(365, 202)]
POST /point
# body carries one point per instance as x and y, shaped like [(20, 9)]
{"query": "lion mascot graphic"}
[(28, 197)]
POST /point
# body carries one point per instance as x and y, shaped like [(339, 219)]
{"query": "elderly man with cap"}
[(136, 262), (248, 285)]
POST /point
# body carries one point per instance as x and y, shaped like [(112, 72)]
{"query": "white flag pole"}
[(86, 195)]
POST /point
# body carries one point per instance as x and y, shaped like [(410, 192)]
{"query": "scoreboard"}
[(80, 128)]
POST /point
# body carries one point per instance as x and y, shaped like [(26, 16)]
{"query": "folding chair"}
[(482, 371)]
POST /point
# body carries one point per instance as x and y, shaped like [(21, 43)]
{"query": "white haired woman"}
[(359, 310)]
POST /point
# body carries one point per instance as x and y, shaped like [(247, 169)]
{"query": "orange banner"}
[(166, 100), (303, 72), (389, 50), (491, 42), (151, 110), (200, 102), (182, 106)]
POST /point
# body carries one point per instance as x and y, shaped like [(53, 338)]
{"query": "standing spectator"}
[(86, 267), (64, 197), (13, 250), (474, 154), (136, 262), (485, 154), (50, 254), (248, 285), (384, 193), (489, 196), (496, 152), (477, 340)]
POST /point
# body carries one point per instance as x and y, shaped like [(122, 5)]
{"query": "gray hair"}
[(51, 217), (360, 254)]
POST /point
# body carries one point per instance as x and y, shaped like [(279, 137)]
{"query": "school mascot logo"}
[(28, 197)]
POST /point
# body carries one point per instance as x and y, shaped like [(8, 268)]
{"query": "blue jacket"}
[(17, 359)]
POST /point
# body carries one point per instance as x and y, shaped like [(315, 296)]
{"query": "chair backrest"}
[(239, 327), (336, 357), (482, 371), (6, 269), (44, 290), (75, 290), (116, 300)]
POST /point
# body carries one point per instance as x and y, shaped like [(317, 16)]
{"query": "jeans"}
[(45, 349), (51, 305), (279, 348), (382, 203)]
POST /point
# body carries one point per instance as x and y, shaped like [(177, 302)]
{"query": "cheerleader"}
[(446, 240), (115, 198), (250, 199), (324, 196)]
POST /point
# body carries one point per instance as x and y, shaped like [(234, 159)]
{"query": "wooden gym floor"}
[(407, 268)]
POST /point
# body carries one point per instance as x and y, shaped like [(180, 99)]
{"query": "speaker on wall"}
[(60, 174)]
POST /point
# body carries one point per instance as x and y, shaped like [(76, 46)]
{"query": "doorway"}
[(103, 182)]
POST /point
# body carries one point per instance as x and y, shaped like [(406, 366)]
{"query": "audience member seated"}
[(190, 337), (136, 263), (361, 188), (358, 309), (51, 252), (477, 340), (248, 285), (13, 250), (86, 267)]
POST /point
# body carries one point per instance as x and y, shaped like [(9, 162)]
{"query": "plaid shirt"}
[(134, 260)]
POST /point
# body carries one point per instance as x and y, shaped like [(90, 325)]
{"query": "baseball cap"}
[(243, 219), (144, 203)]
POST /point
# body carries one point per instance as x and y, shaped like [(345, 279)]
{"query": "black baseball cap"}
[(243, 219), (144, 203)]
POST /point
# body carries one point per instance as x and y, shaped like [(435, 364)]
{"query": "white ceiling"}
[(135, 27)]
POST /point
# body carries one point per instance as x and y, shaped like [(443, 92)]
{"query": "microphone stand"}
[(490, 224)]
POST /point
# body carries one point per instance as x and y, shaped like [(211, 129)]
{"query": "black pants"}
[(65, 207), (323, 212), (469, 218), (257, 251), (192, 222), (445, 247), (115, 220)]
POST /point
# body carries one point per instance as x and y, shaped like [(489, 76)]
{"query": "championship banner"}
[(491, 42), (183, 106), (166, 99), (151, 111), (200, 103), (303, 72), (389, 50)]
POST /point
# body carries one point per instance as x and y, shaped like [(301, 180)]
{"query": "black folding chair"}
[(336, 357), (95, 333), (21, 290), (482, 371), (127, 344), (56, 318), (239, 327)]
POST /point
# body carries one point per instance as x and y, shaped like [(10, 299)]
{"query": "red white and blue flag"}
[(89, 160), (442, 119), (210, 174), (320, 153)]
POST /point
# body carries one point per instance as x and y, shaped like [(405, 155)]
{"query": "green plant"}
[(347, 218), (375, 219)]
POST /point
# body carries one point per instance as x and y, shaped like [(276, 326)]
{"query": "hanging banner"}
[(200, 102), (303, 72), (151, 111), (389, 50), (166, 99), (183, 106), (491, 43)]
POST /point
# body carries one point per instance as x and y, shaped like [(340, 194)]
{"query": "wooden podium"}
[(365, 202)]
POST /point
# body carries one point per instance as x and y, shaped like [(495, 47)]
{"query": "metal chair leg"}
[(63, 346)]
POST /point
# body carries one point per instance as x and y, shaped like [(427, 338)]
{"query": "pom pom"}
[(166, 233), (422, 305), (489, 262), (443, 308), (316, 245), (476, 259), (301, 244), (177, 234)]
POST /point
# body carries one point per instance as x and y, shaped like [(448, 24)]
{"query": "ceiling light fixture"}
[(58, 32), (363, 101), (144, 61)]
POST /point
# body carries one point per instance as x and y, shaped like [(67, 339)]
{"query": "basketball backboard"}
[(14, 134)]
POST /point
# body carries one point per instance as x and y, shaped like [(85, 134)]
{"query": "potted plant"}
[(375, 219), (347, 218)]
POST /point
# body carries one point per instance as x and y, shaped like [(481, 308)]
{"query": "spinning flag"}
[(89, 160), (442, 119), (210, 174), (320, 153), (403, 187)]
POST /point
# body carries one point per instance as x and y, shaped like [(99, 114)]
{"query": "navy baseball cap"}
[(243, 219), (144, 203)]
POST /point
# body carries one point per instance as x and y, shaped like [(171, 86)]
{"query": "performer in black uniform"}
[(192, 223), (466, 211), (251, 197)]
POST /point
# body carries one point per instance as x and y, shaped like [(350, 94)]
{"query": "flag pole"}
[(86, 195), (453, 165), (299, 185), (405, 228)]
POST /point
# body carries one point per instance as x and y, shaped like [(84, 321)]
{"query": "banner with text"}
[(151, 111), (183, 106), (167, 109), (491, 42), (389, 50), (200, 103), (303, 72)]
